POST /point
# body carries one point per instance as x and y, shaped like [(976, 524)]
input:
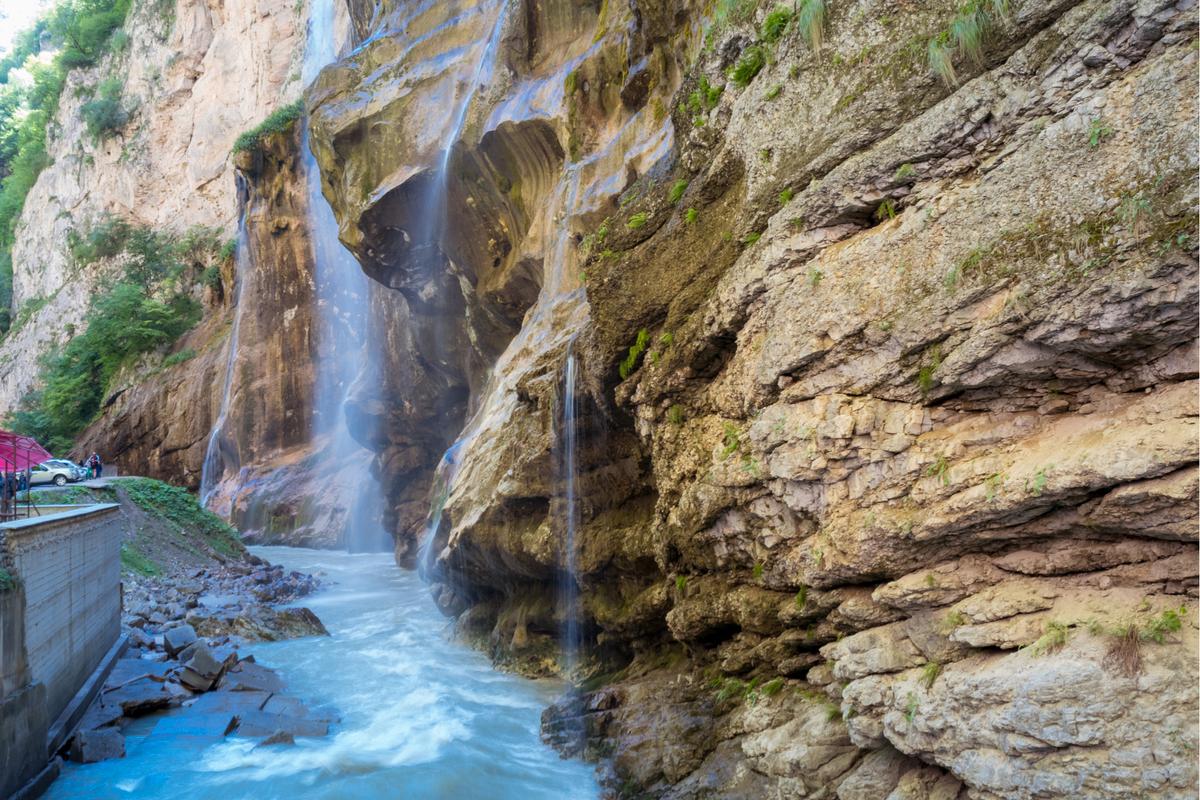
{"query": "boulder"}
[(255, 724), (252, 677), (139, 696), (234, 702), (278, 737), (203, 670), (88, 747)]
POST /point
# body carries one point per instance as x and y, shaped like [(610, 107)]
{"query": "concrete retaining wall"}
[(56, 624), (69, 565), (23, 723)]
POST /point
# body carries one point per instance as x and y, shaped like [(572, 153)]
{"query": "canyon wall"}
[(195, 75), (884, 446), (887, 408)]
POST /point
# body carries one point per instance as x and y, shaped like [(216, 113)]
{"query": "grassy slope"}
[(166, 528)]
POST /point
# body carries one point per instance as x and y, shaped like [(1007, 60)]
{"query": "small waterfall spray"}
[(443, 479), (568, 585), (218, 451)]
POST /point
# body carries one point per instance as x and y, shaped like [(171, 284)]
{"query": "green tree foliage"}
[(122, 324), (144, 311)]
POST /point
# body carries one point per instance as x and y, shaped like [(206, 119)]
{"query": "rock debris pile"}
[(185, 634)]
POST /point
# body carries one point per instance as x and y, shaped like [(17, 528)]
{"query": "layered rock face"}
[(894, 493)]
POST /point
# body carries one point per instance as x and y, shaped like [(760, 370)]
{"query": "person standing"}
[(99, 465)]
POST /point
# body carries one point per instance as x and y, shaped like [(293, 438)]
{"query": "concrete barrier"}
[(59, 618)]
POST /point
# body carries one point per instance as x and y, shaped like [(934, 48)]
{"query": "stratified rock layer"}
[(894, 494)]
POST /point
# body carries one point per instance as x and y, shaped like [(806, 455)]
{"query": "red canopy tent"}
[(20, 452), (17, 453)]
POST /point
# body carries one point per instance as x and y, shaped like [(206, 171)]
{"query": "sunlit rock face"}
[(464, 175), (195, 75), (910, 436)]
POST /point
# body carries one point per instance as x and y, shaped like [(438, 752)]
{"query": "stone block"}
[(88, 747)]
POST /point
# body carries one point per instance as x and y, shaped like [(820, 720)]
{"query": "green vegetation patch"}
[(749, 64), (135, 561), (104, 115), (965, 37), (630, 362), (8, 581), (676, 192), (148, 307), (180, 507), (278, 121)]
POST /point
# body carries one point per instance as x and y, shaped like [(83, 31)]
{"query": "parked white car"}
[(80, 472), (51, 472)]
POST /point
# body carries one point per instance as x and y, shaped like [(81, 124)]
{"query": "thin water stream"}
[(421, 716), (214, 455)]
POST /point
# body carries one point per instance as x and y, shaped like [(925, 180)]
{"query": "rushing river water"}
[(422, 716)]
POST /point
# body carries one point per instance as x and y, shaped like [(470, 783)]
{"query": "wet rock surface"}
[(187, 634)]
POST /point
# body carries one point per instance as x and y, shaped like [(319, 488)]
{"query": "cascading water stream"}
[(436, 224), (214, 455), (568, 589), (343, 298)]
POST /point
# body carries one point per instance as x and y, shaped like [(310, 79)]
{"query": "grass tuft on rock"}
[(278, 121), (135, 561), (748, 65), (630, 362), (811, 22)]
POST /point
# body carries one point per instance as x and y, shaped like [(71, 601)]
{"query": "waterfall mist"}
[(346, 349)]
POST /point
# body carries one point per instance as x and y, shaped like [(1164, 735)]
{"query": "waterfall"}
[(435, 225), (217, 450), (568, 584), (443, 479), (345, 346)]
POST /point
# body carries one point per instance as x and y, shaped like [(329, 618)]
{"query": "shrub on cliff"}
[(104, 115), (279, 121)]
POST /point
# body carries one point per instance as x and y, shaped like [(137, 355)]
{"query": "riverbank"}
[(420, 716)]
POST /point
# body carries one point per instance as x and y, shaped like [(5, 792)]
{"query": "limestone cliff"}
[(194, 75), (886, 315)]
